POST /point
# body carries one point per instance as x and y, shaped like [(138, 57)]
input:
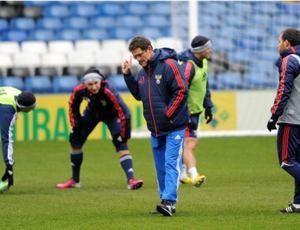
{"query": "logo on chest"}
[(158, 78), (103, 102), (86, 99)]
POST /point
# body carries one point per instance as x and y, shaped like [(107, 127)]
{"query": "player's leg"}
[(288, 144), (126, 162), (89, 122)]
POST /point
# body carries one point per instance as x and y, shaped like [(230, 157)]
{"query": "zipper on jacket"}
[(150, 103), (97, 114)]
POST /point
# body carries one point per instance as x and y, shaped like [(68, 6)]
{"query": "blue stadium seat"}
[(248, 43), (39, 84), (124, 33), (103, 22), (261, 19), (43, 35), (137, 8), (51, 23), (257, 80), (235, 20), (254, 32), (77, 23), (289, 7), (111, 9), (3, 24), (60, 11), (22, 24), (157, 21), (69, 34), (228, 32), (244, 7), (84, 10), (37, 3), (118, 82), (64, 84), (213, 8), (13, 81), (222, 44), (283, 20), (161, 8), (212, 81), (231, 80), (153, 33), (129, 21), (240, 56), (95, 33), (15, 35), (210, 21)]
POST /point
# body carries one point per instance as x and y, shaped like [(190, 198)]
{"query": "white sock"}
[(296, 205), (183, 172), (193, 172)]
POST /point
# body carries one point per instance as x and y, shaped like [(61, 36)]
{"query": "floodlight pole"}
[(193, 20)]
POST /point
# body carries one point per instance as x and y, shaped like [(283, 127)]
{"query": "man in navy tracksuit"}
[(286, 110), (104, 104), (163, 90)]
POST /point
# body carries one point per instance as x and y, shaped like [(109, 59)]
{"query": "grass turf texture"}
[(245, 188)]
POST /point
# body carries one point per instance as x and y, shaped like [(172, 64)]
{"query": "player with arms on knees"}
[(12, 101), (194, 62), (106, 105)]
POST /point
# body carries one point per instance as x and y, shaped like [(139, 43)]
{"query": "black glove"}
[(272, 123), (192, 125), (118, 139), (208, 115), (76, 132), (9, 175)]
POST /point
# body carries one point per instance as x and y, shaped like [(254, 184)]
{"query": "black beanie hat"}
[(26, 101), (199, 44)]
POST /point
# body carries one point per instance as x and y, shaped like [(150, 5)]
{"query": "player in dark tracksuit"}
[(106, 105), (162, 88), (286, 110)]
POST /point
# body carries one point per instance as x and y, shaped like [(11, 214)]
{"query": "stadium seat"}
[(85, 10), (5, 61), (130, 21), (64, 84), (210, 21), (60, 11), (261, 19), (257, 80), (213, 8), (38, 3), (95, 34), (81, 58), (231, 80), (153, 33), (235, 20), (46, 71), (38, 47), (103, 22), (22, 24), (108, 58), (105, 70), (117, 45), (8, 12), (29, 60), (39, 84), (69, 34), (57, 60), (123, 33), (161, 8), (3, 25), (111, 9), (77, 23), (43, 35), (87, 45), (241, 7), (32, 11), (157, 21), (50, 23), (137, 8), (13, 81), (9, 47), (15, 35), (248, 43), (18, 71), (170, 42), (61, 47), (73, 70), (118, 82)]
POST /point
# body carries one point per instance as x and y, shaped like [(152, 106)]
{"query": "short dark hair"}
[(139, 42), (292, 35)]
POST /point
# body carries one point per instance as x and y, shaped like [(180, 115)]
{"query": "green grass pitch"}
[(245, 188)]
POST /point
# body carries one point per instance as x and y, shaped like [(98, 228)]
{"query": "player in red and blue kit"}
[(286, 110), (106, 105)]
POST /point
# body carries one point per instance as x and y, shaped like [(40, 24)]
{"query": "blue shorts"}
[(189, 132), (89, 122)]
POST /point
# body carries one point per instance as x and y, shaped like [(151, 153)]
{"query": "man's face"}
[(94, 86), (206, 53), (282, 45), (142, 56)]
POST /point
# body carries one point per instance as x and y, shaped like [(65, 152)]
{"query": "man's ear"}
[(287, 44)]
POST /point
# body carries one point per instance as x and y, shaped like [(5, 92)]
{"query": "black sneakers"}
[(165, 207), (290, 209)]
